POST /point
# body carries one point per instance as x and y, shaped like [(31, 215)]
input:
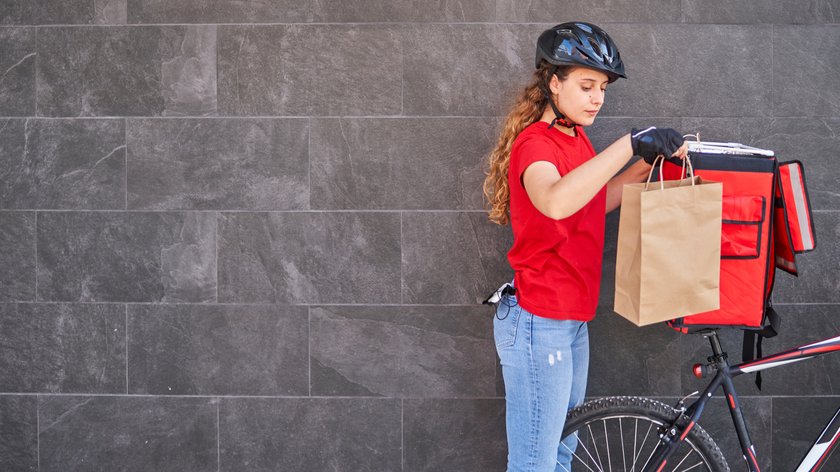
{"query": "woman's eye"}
[(586, 89)]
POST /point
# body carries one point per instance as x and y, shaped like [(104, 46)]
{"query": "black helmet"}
[(583, 44)]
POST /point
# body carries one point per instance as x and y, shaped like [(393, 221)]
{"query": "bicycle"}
[(608, 429)]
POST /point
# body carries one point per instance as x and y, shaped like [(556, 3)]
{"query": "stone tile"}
[(466, 69), (127, 257), (812, 141), (818, 270), (446, 434), (601, 13), (19, 433), (754, 11), (64, 164), (128, 433), (402, 351), (218, 350), (17, 256), (164, 70), (803, 325), (717, 421), (375, 164), (70, 12), (212, 163), (309, 257), (719, 129), (17, 12), (447, 11), (310, 70), (797, 423), (606, 130), (62, 348), (219, 11), (805, 71), (309, 434), (17, 89), (110, 12), (800, 325), (606, 296), (452, 258), (628, 360), (669, 76), (696, 349)]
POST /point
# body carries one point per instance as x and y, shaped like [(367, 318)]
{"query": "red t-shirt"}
[(557, 263)]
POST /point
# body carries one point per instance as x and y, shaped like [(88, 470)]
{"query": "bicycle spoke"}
[(635, 434), (581, 444), (690, 452), (621, 435), (641, 448), (651, 452), (607, 441), (595, 446)]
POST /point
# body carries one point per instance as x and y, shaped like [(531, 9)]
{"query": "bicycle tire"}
[(600, 422)]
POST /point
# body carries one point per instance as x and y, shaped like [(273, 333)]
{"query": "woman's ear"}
[(555, 85)]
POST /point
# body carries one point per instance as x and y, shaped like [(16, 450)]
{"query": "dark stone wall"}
[(249, 235)]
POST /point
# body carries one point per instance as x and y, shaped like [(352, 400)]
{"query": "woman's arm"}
[(637, 172), (557, 197)]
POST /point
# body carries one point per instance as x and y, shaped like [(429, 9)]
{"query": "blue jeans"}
[(544, 363)]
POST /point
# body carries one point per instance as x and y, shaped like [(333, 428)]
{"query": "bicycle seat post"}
[(715, 342)]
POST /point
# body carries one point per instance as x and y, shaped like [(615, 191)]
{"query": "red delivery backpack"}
[(766, 222)]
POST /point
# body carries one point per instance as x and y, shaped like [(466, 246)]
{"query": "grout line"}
[(375, 24), (125, 174), (218, 437), (309, 161), (302, 397), (35, 94), (402, 433), (217, 255), (400, 117), (325, 304), (269, 304), (126, 349), (188, 210), (309, 345), (772, 75), (402, 275), (38, 430), (35, 300)]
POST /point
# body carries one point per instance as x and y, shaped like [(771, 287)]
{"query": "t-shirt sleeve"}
[(533, 149)]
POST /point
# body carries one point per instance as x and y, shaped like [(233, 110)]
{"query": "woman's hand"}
[(653, 142)]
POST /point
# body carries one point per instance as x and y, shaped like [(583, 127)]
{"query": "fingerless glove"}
[(652, 142)]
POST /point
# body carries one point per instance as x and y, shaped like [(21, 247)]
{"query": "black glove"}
[(653, 141)]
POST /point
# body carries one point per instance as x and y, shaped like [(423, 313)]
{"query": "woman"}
[(546, 179)]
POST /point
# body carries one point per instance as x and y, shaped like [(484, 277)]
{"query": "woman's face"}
[(581, 95)]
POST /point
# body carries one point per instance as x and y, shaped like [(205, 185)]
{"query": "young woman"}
[(546, 180)]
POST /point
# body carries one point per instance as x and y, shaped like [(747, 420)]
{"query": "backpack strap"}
[(752, 340)]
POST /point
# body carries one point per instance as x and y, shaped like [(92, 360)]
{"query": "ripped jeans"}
[(544, 363)]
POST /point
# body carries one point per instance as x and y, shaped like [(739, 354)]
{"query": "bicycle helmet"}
[(577, 44), (582, 44)]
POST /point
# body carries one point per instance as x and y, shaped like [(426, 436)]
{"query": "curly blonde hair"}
[(527, 109)]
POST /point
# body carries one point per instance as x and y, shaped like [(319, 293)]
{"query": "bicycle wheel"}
[(620, 433)]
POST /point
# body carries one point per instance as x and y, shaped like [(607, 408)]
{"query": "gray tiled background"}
[(249, 235)]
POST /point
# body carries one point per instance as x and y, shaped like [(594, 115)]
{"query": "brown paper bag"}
[(668, 255)]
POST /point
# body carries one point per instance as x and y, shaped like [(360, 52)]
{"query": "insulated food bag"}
[(766, 221)]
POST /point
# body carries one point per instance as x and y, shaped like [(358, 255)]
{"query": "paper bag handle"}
[(661, 176)]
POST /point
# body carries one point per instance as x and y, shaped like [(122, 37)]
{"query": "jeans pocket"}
[(505, 322)]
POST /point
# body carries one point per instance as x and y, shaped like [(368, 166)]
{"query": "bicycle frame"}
[(675, 433)]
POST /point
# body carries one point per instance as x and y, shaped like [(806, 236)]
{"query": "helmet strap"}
[(559, 118)]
